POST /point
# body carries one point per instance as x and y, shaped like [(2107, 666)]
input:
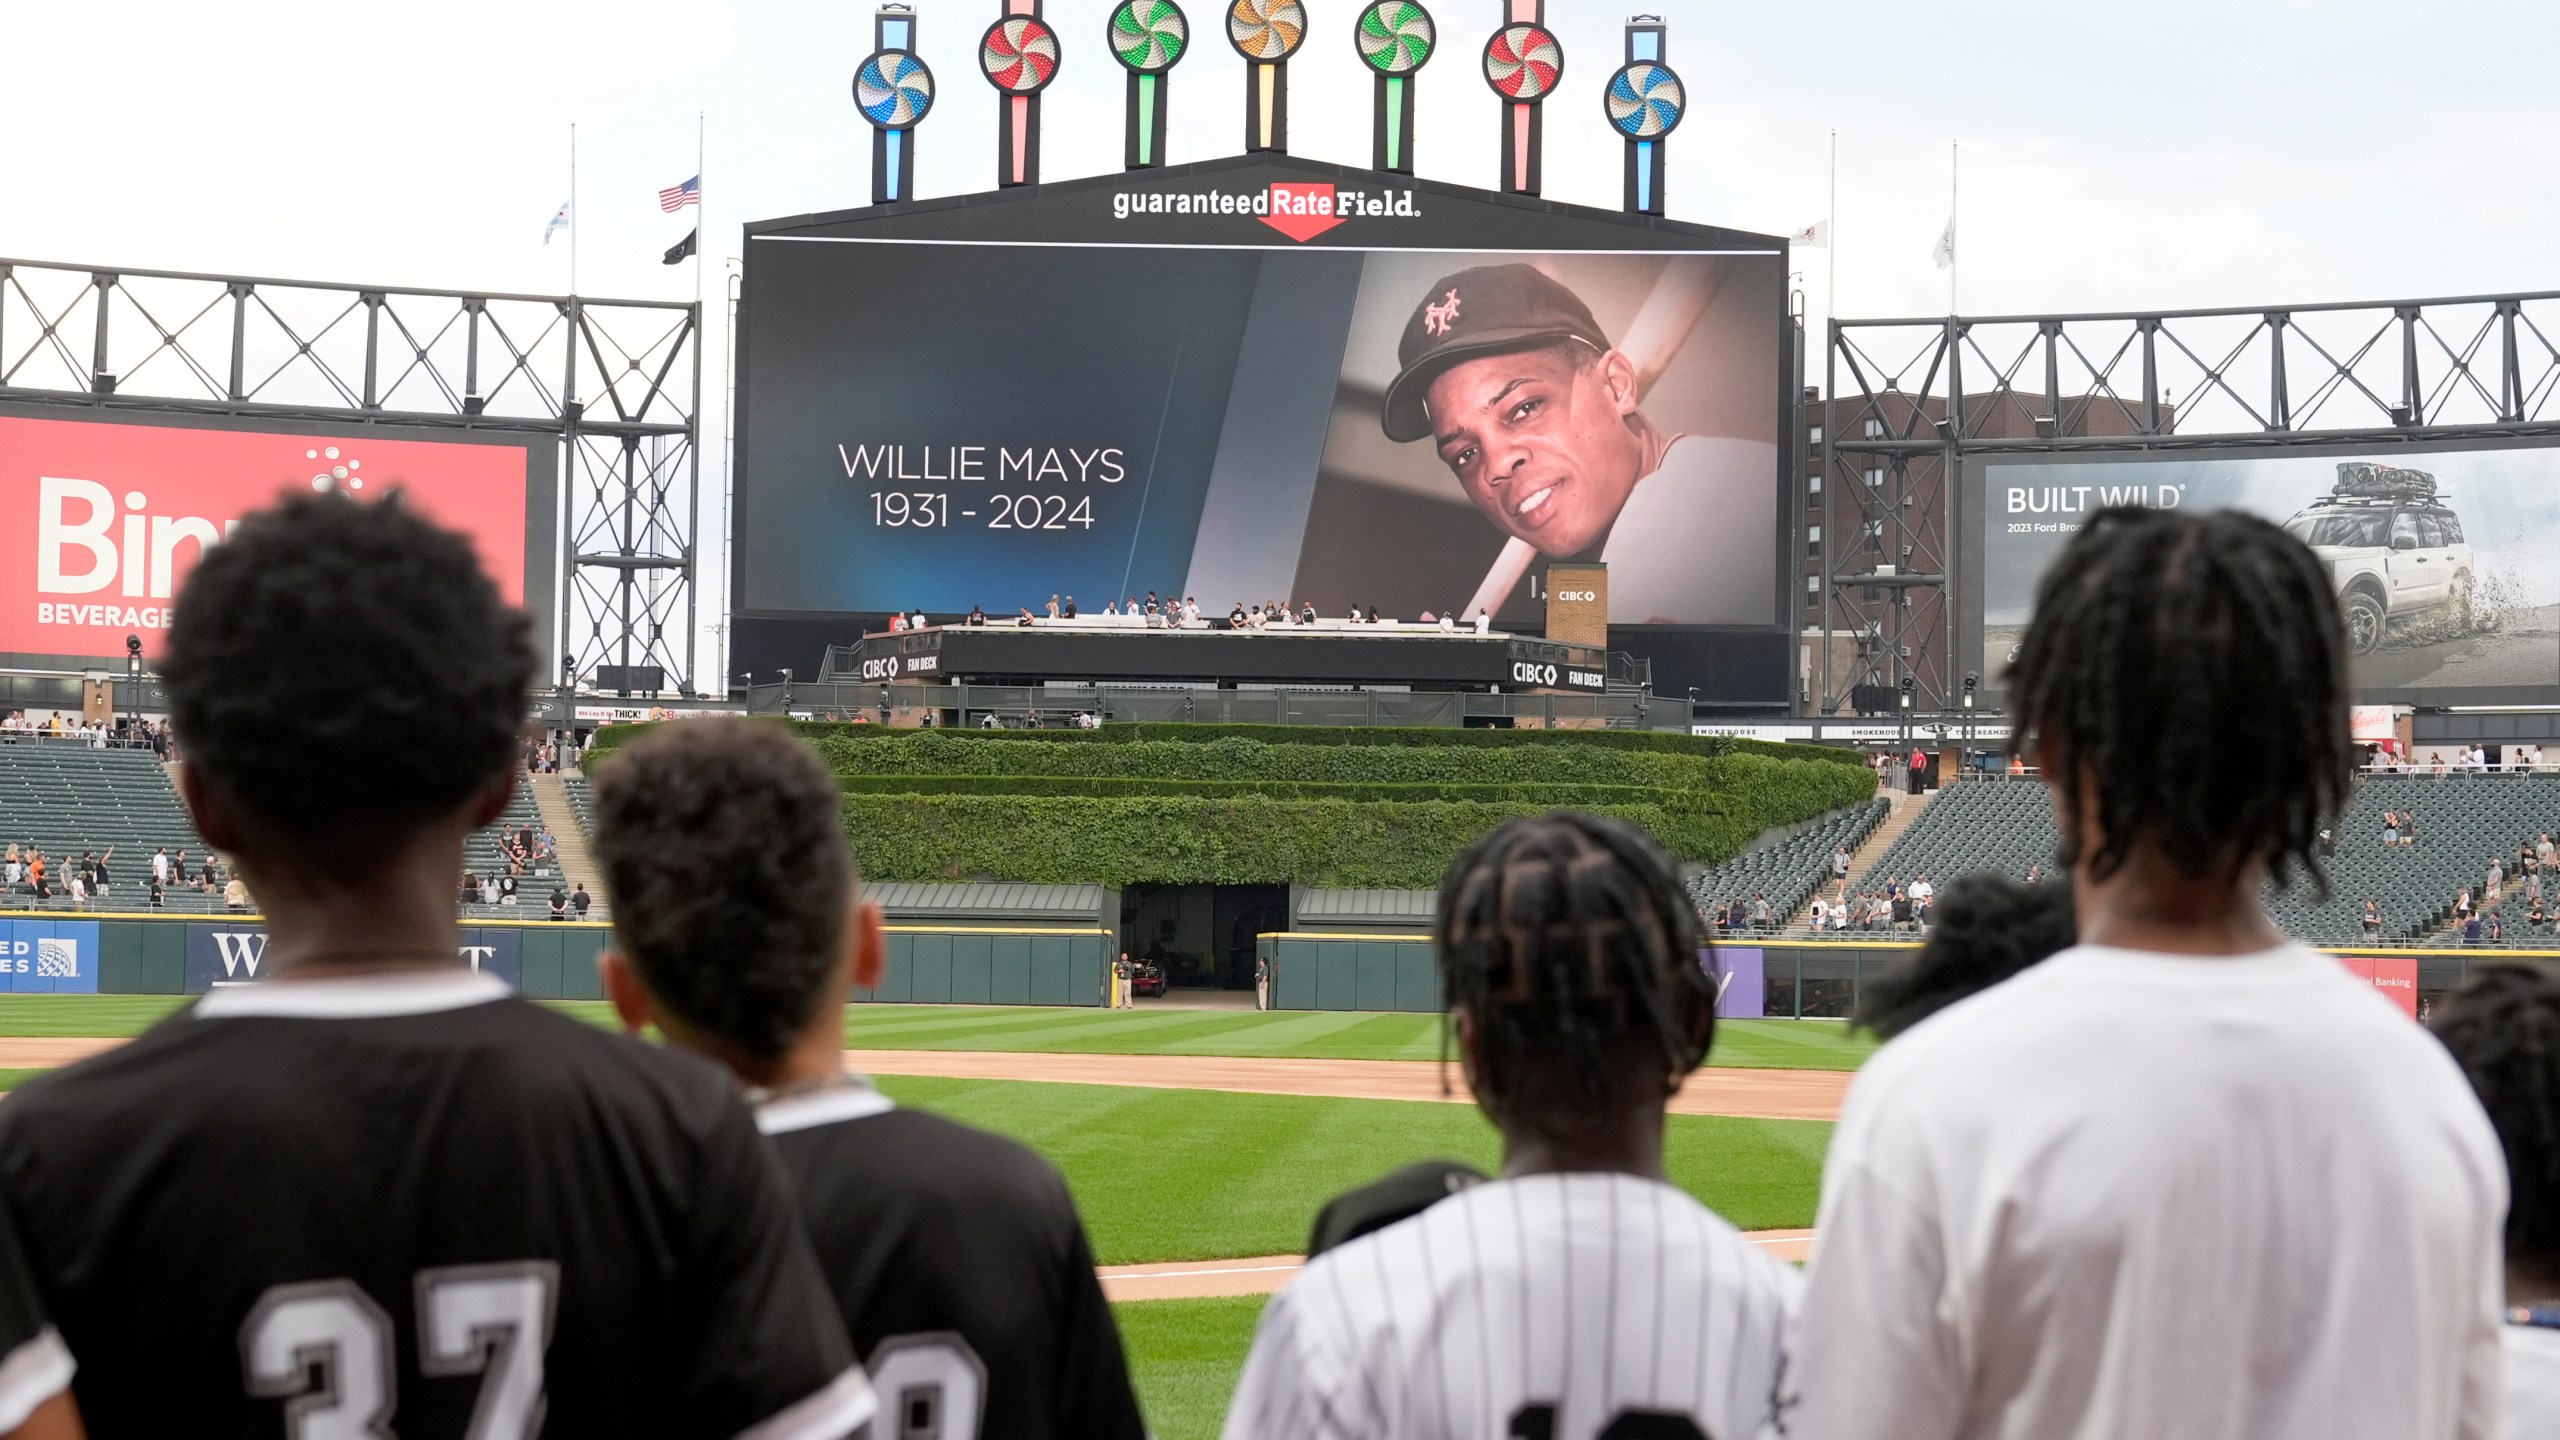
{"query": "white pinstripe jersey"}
[(1550, 1307)]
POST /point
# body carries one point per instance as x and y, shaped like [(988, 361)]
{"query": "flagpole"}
[(573, 207), (1831, 280), (699, 192), (1954, 258)]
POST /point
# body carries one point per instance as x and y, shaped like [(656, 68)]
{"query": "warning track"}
[(1265, 1274)]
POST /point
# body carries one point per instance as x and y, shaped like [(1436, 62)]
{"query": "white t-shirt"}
[(2130, 1194), (2529, 1408), (1693, 545), (1592, 1294)]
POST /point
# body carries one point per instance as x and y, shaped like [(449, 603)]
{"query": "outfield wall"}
[(1801, 980), (140, 954)]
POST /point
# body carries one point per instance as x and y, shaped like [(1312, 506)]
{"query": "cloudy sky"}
[(2151, 153)]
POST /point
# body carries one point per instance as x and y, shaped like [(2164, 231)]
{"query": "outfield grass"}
[(1185, 1356), (1323, 1035), (1071, 1030), (1200, 1174)]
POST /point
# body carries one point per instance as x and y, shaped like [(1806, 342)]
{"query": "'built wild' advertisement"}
[(2446, 563)]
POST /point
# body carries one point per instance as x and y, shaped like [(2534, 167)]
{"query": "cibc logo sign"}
[(1529, 672), (1582, 595)]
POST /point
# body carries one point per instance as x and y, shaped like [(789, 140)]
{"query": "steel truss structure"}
[(1913, 399), (618, 381)]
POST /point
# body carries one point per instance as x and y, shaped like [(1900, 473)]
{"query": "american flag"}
[(676, 197)]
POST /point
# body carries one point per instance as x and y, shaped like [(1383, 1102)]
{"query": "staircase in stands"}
[(577, 866), (1906, 810)]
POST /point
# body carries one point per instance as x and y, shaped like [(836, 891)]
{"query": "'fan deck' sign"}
[(100, 522)]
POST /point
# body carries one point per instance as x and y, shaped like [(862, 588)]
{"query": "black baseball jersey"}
[(961, 1269), (415, 1205), (35, 1365)]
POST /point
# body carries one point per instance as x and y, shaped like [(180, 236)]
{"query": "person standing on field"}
[(2186, 1178)]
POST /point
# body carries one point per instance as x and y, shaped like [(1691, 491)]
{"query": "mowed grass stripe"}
[(1198, 1175), (1067, 1030), (1184, 1356)]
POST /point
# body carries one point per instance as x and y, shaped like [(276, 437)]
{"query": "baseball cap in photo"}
[(1485, 311)]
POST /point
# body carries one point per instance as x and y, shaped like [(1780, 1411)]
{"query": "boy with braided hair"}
[(1579, 1294), (2187, 1177), (2503, 1026)]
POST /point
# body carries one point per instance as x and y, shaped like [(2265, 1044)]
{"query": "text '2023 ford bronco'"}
[(2395, 552)]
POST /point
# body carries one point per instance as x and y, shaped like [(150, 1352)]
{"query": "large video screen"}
[(2444, 561), (939, 425), (105, 517)]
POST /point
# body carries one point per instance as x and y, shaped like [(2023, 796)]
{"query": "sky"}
[(2144, 153)]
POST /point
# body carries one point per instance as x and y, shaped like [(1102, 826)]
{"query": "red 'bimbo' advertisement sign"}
[(100, 522)]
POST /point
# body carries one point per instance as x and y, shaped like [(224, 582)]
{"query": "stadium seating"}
[(2006, 823), (575, 787), (1789, 869)]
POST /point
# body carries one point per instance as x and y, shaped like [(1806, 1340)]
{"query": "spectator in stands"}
[(1821, 913), (1840, 868), (578, 900), (2537, 917), (235, 896), (559, 903), (2497, 928), (2462, 902), (1759, 910), (2372, 918), (159, 894), (100, 882), (1991, 930), (17, 866), (1923, 898), (2408, 828), (159, 864), (2494, 884), (2390, 827), (2471, 931), (470, 892), (36, 876), (489, 889)]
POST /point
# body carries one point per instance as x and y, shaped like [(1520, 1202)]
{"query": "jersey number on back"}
[(1538, 1422), (932, 1386), (493, 1321)]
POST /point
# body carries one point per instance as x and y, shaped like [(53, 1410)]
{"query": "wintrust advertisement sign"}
[(101, 521), (220, 954)]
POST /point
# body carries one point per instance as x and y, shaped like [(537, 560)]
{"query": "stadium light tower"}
[(1019, 56), (133, 679), (1395, 38), (1523, 62), (1644, 102), (894, 90), (1266, 33)]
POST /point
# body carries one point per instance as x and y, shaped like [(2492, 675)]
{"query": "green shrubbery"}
[(1234, 804)]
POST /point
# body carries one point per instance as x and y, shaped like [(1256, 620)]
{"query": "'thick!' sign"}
[(100, 522)]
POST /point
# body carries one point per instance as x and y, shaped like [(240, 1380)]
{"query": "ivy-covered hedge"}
[(1285, 804), (1171, 839)]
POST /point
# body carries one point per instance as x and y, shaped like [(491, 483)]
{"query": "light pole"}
[(132, 682), (1971, 682)]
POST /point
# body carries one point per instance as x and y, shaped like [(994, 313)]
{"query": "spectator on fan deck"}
[(2016, 1241), (898, 621), (1069, 609), (1053, 607), (1152, 607), (1023, 619), (1484, 622), (1991, 929), (1190, 609), (1448, 624), (977, 615), (1307, 613), (578, 900)]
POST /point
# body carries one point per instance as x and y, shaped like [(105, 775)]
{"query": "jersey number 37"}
[(493, 1321)]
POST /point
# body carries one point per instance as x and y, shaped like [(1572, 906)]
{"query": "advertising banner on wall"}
[(101, 520), (235, 954), (2393, 977), (49, 957), (2446, 563), (1742, 981)]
